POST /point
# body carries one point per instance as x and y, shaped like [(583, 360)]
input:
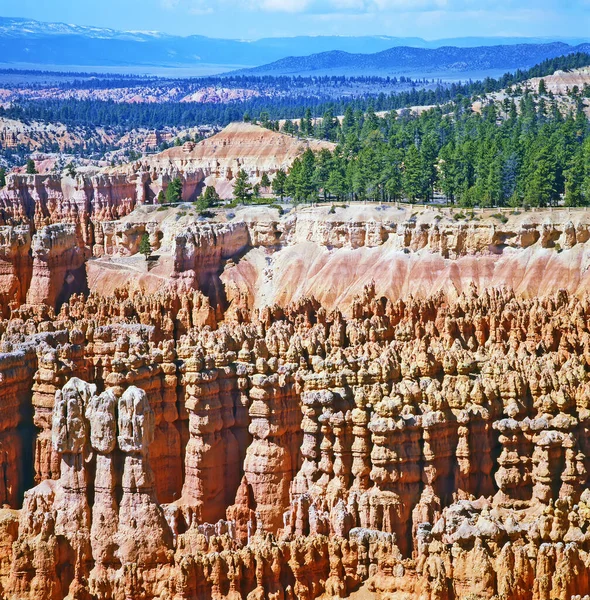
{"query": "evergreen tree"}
[(71, 170), (145, 247), (542, 87), (370, 123), (265, 181), (574, 181), (289, 127), (174, 191), (323, 165), (586, 179), (278, 184), (264, 119), (509, 175), (292, 179), (307, 124), (540, 185), (448, 172), (429, 156), (300, 182), (393, 177), (348, 122), (242, 187), (359, 181), (329, 126), (336, 184), (495, 196), (31, 168), (2, 177), (413, 181), (210, 196), (306, 188)]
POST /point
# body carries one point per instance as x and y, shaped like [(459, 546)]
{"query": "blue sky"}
[(251, 19)]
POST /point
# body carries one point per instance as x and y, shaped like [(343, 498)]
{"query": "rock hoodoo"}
[(431, 447)]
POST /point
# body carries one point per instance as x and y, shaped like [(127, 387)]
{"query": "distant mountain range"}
[(25, 42), (447, 62)]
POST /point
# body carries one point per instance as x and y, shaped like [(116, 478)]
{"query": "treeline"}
[(255, 82), (294, 106), (509, 155)]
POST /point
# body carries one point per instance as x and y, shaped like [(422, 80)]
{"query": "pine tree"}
[(242, 187), (329, 126), (323, 165), (174, 191), (292, 179), (542, 87), (145, 247), (413, 175), (509, 175), (393, 177), (493, 189), (370, 124), (348, 122), (574, 181), (336, 184), (358, 180), (265, 181), (305, 185), (289, 127), (2, 177), (306, 124), (31, 168), (278, 184), (586, 179), (264, 119), (210, 196), (428, 154), (448, 172), (540, 185)]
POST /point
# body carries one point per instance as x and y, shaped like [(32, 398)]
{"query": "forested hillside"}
[(525, 154)]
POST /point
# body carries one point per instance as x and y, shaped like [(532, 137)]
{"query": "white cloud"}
[(366, 6), (282, 5)]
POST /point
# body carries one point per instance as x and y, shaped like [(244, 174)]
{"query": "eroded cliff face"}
[(64, 236), (311, 252), (259, 258), (428, 448)]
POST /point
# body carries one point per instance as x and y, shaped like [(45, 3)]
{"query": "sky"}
[(253, 19)]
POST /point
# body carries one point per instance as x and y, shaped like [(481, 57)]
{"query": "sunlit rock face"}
[(429, 448)]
